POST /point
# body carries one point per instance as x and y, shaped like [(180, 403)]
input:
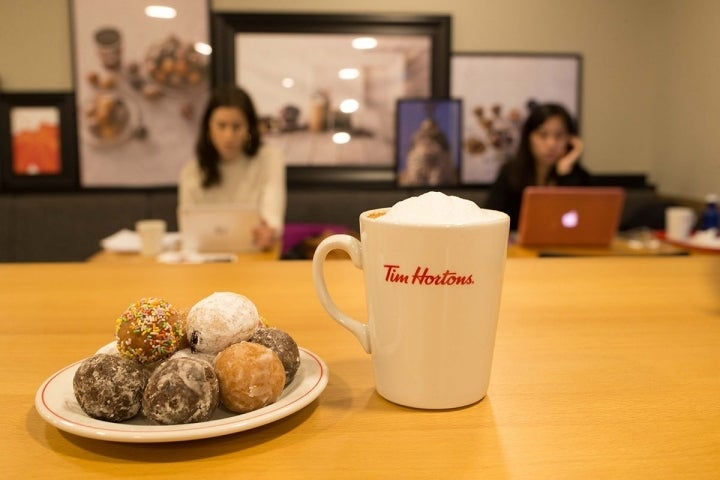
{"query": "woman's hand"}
[(264, 236), (565, 165)]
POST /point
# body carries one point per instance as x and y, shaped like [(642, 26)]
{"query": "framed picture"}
[(428, 142), (497, 90), (142, 77), (326, 85), (37, 141)]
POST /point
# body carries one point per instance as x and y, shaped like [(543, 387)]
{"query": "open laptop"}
[(217, 228), (570, 216)]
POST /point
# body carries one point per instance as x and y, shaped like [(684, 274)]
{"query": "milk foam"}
[(436, 208)]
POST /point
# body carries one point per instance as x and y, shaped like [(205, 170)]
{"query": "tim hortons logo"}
[(423, 276)]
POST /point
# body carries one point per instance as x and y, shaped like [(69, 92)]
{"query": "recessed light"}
[(160, 11), (202, 48), (364, 43), (349, 73), (349, 105), (341, 138)]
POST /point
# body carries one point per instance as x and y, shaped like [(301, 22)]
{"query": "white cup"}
[(679, 222), (433, 296), (151, 234)]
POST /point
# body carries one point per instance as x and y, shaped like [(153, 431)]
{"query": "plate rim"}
[(295, 401), (689, 244)]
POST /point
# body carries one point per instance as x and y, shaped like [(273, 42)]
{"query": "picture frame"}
[(38, 141), (497, 90), (142, 80), (429, 142), (239, 36)]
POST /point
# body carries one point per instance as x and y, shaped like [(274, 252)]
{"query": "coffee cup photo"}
[(433, 270), (108, 41)]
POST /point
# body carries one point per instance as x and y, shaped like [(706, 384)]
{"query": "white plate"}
[(703, 245), (55, 401), (128, 241), (130, 128)]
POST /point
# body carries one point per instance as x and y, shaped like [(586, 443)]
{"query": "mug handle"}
[(352, 246)]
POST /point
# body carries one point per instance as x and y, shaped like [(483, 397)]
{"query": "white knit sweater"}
[(258, 181)]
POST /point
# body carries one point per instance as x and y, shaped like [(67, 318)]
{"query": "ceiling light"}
[(341, 138), (160, 11), (349, 73), (364, 43), (349, 105), (287, 82), (202, 48)]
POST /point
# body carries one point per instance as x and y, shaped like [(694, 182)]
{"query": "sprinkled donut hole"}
[(149, 330)]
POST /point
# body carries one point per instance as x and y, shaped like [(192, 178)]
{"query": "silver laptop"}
[(217, 228)]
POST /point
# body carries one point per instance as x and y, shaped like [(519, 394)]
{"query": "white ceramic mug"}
[(433, 296), (151, 234), (679, 222)]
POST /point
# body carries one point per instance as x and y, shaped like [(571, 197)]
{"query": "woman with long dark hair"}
[(233, 166), (548, 154)]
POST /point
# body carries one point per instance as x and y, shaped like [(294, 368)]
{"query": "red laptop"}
[(570, 216)]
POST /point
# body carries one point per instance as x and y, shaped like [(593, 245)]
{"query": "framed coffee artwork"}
[(498, 90), (325, 85), (37, 141), (142, 80), (428, 146)]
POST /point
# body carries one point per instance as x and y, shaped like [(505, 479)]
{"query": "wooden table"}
[(106, 256), (619, 247), (604, 368)]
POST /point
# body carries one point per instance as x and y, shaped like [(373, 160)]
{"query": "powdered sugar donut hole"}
[(187, 352), (219, 320)]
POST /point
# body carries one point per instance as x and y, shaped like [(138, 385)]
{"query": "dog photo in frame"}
[(428, 150)]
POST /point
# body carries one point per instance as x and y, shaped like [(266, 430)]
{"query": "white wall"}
[(686, 154), (651, 69)]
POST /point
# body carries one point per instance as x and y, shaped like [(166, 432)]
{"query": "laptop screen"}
[(217, 228)]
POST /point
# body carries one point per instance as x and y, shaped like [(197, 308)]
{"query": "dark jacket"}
[(507, 198)]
